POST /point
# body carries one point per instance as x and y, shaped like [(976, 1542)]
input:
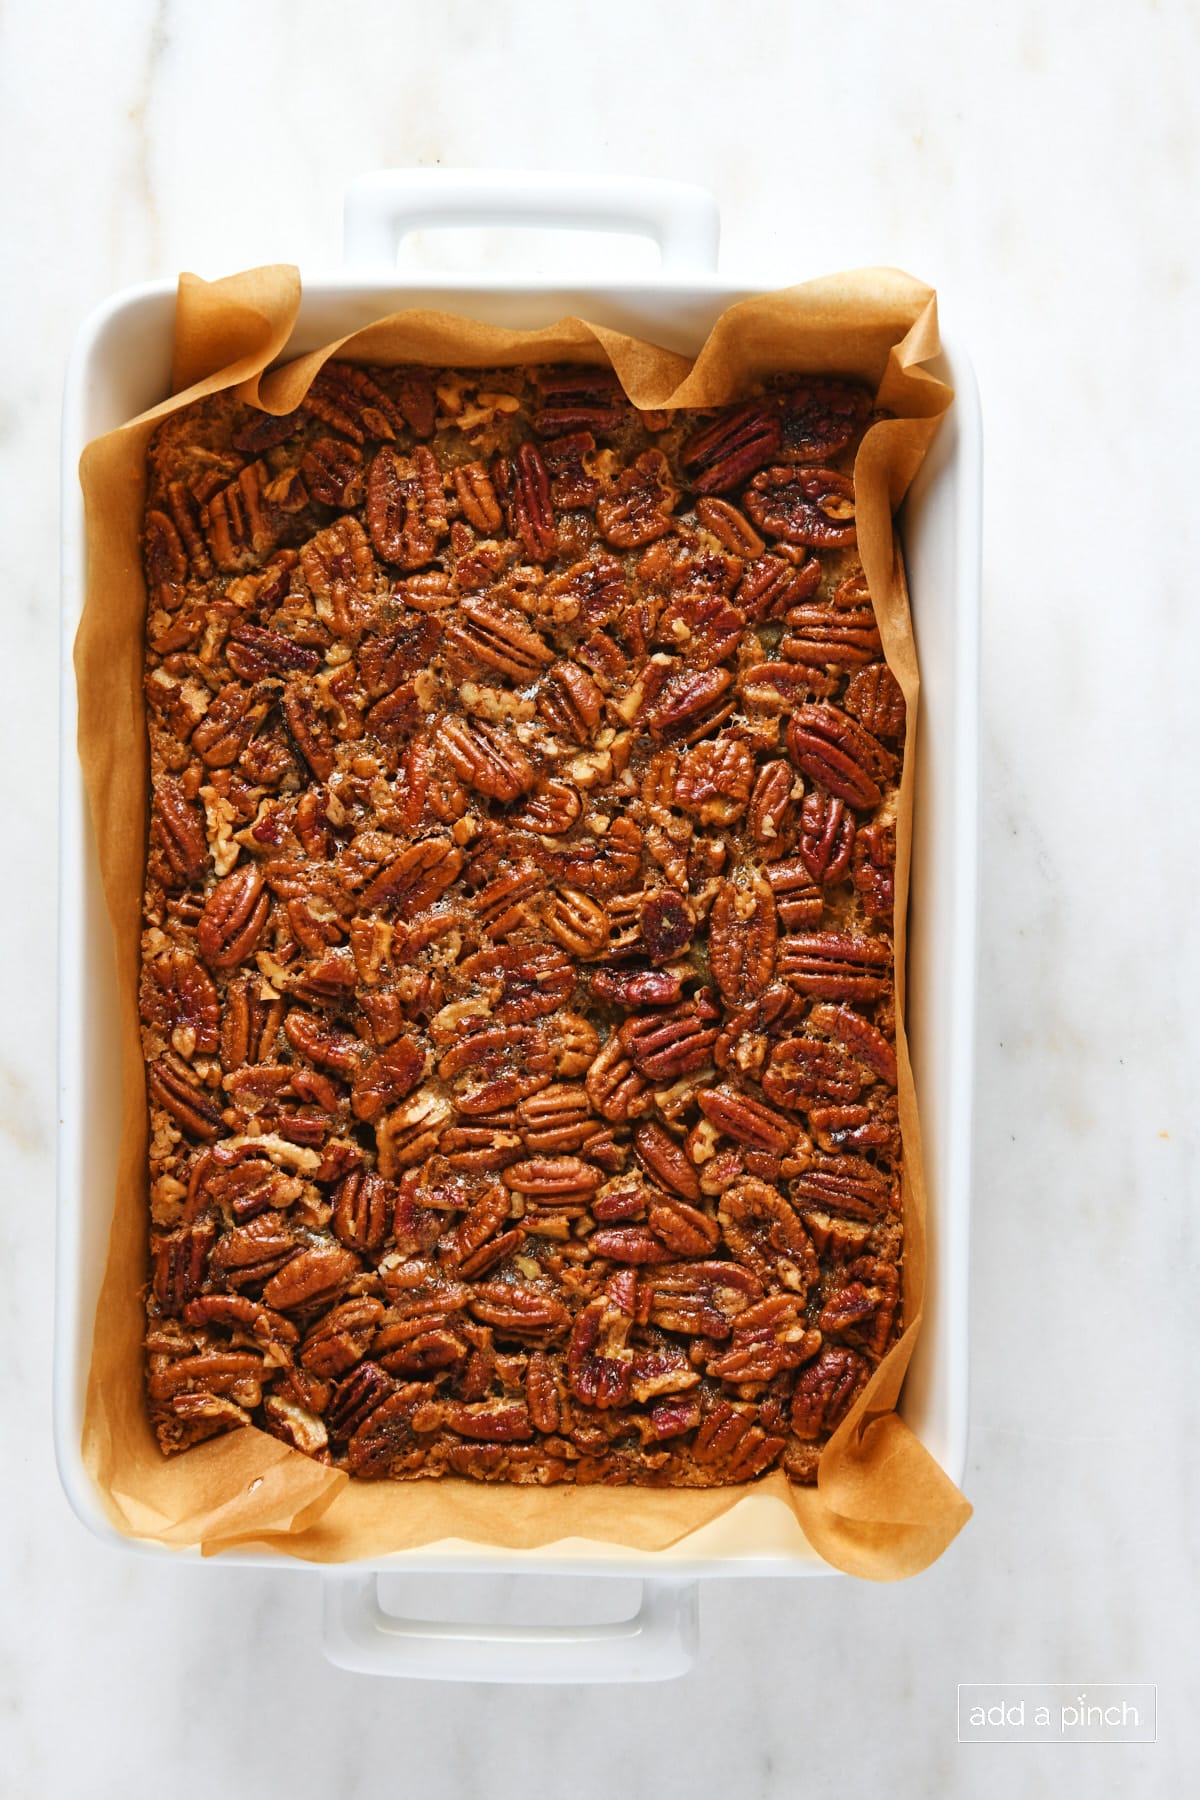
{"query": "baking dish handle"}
[(656, 1644), (384, 206)]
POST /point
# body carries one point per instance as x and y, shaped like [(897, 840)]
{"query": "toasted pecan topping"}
[(517, 985)]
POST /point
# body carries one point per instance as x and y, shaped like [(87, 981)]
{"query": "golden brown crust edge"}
[(517, 962)]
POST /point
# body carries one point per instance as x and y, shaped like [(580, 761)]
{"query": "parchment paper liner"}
[(882, 1507)]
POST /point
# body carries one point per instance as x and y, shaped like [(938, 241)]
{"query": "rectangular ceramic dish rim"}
[(70, 1328)]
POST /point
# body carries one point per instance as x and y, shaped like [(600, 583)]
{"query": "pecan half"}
[(742, 937), (532, 511), (767, 1340), (764, 1233), (845, 1184), (803, 506), (233, 716), (719, 456), (406, 507), (798, 898), (477, 498), (340, 1339), (846, 760), (827, 635), (614, 1087), (551, 810), (333, 473), (862, 1310), (636, 508), (181, 1265), (664, 1046), (339, 568), (834, 965), (826, 836), (873, 871), (570, 702), (874, 698), (310, 1277), (347, 400), (488, 758), (732, 529), (822, 416), (362, 1214), (691, 704), (233, 919), (577, 399), (771, 586), (177, 828), (490, 636), (714, 780), (416, 877), (666, 1160), (701, 1298), (238, 524), (803, 1069), (747, 1120), (578, 923), (826, 1390), (179, 999), (599, 1355), (519, 1310)]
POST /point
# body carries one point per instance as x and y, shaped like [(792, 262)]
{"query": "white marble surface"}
[(1038, 164)]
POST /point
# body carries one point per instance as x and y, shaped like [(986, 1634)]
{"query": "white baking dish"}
[(120, 366)]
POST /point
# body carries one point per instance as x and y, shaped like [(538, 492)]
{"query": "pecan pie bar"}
[(517, 973)]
